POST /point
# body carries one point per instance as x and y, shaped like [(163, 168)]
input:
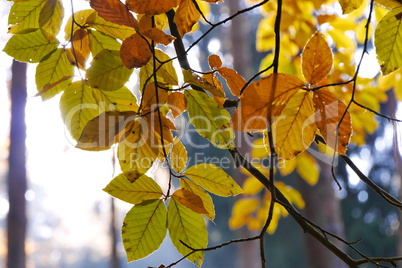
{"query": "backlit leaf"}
[(329, 113), (349, 5), (24, 16), (30, 47), (235, 81), (241, 211), (114, 11), (389, 3), (213, 179), (178, 156), (316, 59), (101, 132), (307, 168), (99, 41), (388, 41), (255, 102), (186, 16), (158, 36), (214, 61), (135, 51), (295, 128), (81, 50), (53, 74), (189, 227), (81, 18), (211, 122), (195, 79), (143, 188), (206, 198), (148, 100), (107, 72), (151, 7), (252, 186), (51, 18), (144, 229), (177, 103), (115, 30), (190, 200)]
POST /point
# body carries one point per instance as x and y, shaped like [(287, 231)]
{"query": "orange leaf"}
[(151, 7), (158, 36), (255, 102), (135, 51), (186, 16), (316, 59), (114, 11), (153, 126), (177, 103), (190, 200), (235, 81), (148, 101), (295, 128), (214, 61), (217, 90), (329, 113), (80, 46)]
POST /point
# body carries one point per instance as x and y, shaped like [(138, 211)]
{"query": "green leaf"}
[(80, 103), (53, 74), (166, 74), (178, 156), (206, 198), (213, 179), (99, 41), (80, 17), (186, 226), (388, 41), (107, 72), (211, 122), (30, 47), (115, 30), (51, 18), (24, 16), (143, 188), (144, 229)]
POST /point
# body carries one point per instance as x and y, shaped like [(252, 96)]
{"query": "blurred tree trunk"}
[(114, 259), (322, 208), (17, 181)]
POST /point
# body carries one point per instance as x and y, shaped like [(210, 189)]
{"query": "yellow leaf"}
[(151, 7), (287, 166), (187, 226), (178, 156), (177, 103), (214, 61), (389, 3), (241, 211), (295, 128), (190, 200), (217, 92), (24, 16), (259, 150), (51, 18), (213, 179), (144, 229), (206, 198), (234, 80), (195, 79), (135, 51), (308, 168), (255, 102), (148, 100), (186, 16), (349, 5), (80, 47), (114, 11), (291, 194), (252, 186), (143, 188), (388, 41), (330, 110), (316, 59)]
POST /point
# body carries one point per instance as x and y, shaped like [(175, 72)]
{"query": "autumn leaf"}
[(143, 188), (294, 129), (186, 16), (349, 5), (206, 198), (255, 102), (214, 61), (114, 11), (144, 229), (158, 36), (235, 81), (213, 179), (24, 16), (148, 100), (190, 200), (177, 103), (151, 7), (135, 51), (51, 18), (80, 47), (307, 167), (186, 226), (388, 41), (99, 41), (178, 156), (202, 82), (330, 111), (241, 211), (316, 59)]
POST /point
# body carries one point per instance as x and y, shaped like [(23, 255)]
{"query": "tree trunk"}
[(114, 258), (323, 208), (17, 181)]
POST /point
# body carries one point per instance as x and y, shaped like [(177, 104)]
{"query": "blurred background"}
[(72, 223)]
